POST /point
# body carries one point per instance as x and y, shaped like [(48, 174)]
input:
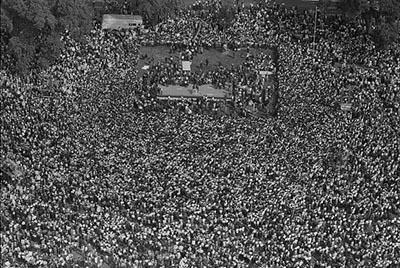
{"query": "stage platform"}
[(175, 91)]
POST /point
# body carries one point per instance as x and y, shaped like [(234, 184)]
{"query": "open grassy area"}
[(153, 55), (215, 57)]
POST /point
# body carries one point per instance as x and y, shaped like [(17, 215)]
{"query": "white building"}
[(118, 22)]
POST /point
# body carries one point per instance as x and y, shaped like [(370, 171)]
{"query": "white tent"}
[(116, 21)]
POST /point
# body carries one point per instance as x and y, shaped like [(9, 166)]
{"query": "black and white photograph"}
[(200, 133)]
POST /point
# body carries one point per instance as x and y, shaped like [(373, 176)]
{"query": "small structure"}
[(346, 106), (186, 65), (119, 22)]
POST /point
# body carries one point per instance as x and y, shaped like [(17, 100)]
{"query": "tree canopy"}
[(32, 28), (225, 15), (386, 14), (390, 10)]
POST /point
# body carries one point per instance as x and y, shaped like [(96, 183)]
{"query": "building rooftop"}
[(123, 17)]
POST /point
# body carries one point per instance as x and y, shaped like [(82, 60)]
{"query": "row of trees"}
[(31, 29), (382, 17)]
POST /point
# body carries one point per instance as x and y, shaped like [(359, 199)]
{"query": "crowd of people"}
[(96, 172)]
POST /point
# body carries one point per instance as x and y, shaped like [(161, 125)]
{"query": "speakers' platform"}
[(176, 91)]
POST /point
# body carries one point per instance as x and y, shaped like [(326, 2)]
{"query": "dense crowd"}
[(97, 173)]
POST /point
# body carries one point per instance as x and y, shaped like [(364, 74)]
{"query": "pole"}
[(315, 26)]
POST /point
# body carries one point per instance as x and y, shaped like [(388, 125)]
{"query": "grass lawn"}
[(215, 57), (154, 54)]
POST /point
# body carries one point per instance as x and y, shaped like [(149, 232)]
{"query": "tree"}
[(225, 14), (34, 27), (351, 7), (389, 10), (385, 12), (386, 33), (388, 29)]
